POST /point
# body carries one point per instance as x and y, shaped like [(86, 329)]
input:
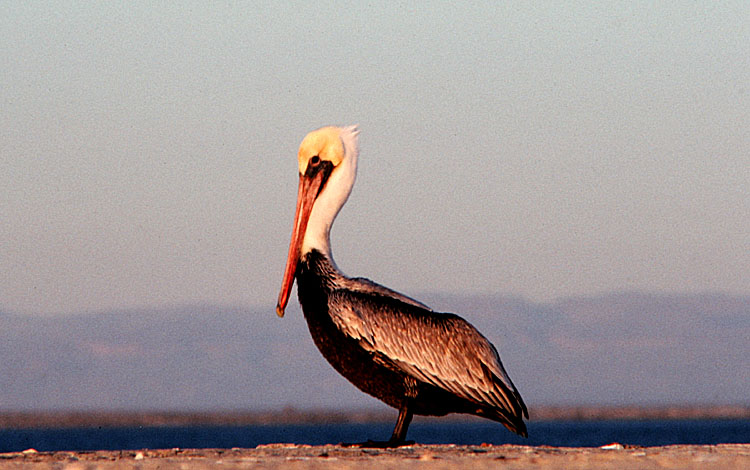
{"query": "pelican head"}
[(327, 160)]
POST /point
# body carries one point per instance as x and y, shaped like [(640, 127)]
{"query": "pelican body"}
[(385, 343)]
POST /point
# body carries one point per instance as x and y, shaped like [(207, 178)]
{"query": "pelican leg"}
[(397, 438), (402, 425)]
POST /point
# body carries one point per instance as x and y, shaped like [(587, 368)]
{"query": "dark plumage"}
[(402, 353)]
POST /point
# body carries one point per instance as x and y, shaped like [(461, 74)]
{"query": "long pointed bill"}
[(306, 194)]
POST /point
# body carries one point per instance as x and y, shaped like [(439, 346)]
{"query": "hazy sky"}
[(149, 149)]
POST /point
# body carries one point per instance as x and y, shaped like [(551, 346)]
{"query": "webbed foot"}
[(370, 444)]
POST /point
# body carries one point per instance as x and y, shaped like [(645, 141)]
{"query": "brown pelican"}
[(387, 344)]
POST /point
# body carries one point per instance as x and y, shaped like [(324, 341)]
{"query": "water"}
[(552, 433)]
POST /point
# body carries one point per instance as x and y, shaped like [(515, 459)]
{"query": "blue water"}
[(552, 433)]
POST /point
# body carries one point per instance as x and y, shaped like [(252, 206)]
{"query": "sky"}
[(148, 151)]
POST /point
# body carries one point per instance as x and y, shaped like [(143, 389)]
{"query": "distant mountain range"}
[(614, 349)]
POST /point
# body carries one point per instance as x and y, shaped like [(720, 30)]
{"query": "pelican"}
[(385, 343)]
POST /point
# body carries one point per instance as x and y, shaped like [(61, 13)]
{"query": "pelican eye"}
[(315, 161)]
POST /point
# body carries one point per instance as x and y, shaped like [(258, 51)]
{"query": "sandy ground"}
[(289, 456)]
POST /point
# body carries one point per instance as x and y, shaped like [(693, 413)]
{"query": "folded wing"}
[(440, 349)]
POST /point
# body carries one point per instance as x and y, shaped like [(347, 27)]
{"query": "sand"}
[(290, 456)]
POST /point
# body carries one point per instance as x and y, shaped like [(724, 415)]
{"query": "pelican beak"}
[(310, 185)]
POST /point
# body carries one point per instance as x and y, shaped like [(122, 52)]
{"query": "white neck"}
[(333, 197)]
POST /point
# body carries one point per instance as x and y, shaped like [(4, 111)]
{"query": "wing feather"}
[(443, 350)]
